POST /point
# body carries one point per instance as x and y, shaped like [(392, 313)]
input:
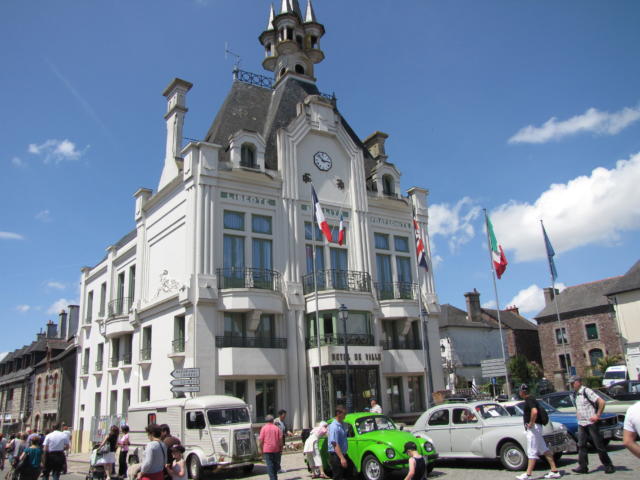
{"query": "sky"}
[(528, 109)]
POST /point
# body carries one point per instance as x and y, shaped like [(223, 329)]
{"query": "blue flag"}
[(550, 254)]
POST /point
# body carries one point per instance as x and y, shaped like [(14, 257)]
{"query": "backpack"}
[(542, 415), (593, 404)]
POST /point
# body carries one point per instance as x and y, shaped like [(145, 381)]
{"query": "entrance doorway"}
[(364, 385)]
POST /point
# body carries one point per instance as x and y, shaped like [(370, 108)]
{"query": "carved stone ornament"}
[(168, 284)]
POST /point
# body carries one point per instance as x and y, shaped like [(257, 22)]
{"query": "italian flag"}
[(497, 254)]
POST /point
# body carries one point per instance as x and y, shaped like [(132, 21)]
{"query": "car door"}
[(466, 431), (439, 430)]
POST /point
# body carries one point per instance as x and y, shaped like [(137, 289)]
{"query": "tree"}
[(519, 369), (605, 362)]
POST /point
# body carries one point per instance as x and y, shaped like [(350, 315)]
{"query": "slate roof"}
[(629, 281), (580, 298), (511, 319), (451, 316)]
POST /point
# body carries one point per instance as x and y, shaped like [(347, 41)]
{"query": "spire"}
[(295, 6), (285, 7), (310, 17), (270, 22)]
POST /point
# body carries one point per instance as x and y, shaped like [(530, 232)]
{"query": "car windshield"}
[(373, 423), (491, 410), (227, 416), (619, 374)]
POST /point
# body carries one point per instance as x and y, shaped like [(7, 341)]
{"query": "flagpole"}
[(555, 301), (495, 291), (315, 292)]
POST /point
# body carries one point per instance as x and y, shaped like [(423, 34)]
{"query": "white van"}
[(215, 431), (617, 373)]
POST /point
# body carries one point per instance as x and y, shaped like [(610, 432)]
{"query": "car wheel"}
[(194, 467), (247, 469), (372, 469), (512, 457)]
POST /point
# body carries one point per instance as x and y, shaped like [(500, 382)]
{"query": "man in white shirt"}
[(55, 446), (375, 407), (632, 429)]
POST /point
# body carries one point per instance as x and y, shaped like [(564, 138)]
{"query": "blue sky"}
[(530, 109)]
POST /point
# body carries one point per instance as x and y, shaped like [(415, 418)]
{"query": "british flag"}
[(422, 258)]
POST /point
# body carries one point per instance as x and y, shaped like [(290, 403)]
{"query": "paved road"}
[(628, 467)]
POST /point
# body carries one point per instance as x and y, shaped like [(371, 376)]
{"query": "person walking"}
[(312, 452), (56, 444), (123, 443), (155, 455), (169, 440), (338, 445), (270, 446), (109, 443), (31, 459), (417, 463), (3, 449), (533, 432), (631, 429), (589, 407)]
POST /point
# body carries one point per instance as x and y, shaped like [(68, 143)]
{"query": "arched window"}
[(595, 355), (55, 386), (38, 387), (300, 69), (388, 185), (248, 155), (267, 50), (314, 41), (46, 388), (299, 40), (36, 424)]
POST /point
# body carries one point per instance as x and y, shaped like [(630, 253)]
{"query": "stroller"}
[(96, 471)]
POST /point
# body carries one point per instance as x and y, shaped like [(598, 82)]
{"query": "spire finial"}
[(310, 15), (271, 15)]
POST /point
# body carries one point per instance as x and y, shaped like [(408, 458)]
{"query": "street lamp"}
[(343, 314)]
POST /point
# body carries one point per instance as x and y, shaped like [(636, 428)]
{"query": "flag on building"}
[(550, 254), (497, 254), (341, 231), (322, 223), (422, 258)]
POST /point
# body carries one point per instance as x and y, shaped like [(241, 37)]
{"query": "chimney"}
[(375, 145), (473, 305), (549, 295), (40, 335), (72, 321), (514, 309), (52, 329), (176, 109), (62, 323)]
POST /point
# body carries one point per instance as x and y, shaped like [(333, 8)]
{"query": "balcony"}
[(251, 356), (114, 362), (125, 358), (99, 366), (177, 346), (84, 370), (120, 306), (238, 341), (145, 355), (240, 277), (396, 291), (401, 344), (344, 280), (355, 339)]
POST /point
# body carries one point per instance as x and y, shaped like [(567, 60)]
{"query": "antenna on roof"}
[(227, 52)]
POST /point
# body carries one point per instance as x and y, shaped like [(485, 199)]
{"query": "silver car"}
[(484, 430)]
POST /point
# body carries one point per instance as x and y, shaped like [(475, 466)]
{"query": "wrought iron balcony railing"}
[(243, 277), (145, 354), (250, 342), (120, 306), (177, 346), (347, 280), (360, 339), (113, 362), (401, 344), (99, 366), (84, 370), (126, 358), (396, 291)]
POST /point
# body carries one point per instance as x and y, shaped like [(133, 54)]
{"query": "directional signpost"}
[(493, 368), (185, 380)]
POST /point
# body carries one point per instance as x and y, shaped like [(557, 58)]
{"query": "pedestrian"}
[(533, 432), (109, 445), (155, 455), (31, 460), (178, 470), (417, 463), (589, 407), (123, 443), (270, 446), (3, 448), (56, 444), (282, 425), (338, 445), (375, 406), (67, 432), (631, 429), (14, 448), (312, 452), (169, 441)]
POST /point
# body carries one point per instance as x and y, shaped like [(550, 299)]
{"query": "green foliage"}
[(592, 382), (605, 362), (523, 371)]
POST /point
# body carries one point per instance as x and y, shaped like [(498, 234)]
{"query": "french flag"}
[(322, 223), (341, 231)]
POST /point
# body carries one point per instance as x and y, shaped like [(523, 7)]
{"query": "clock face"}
[(322, 161)]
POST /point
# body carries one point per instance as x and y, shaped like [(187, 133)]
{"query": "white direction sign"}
[(493, 368), (186, 388), (186, 381), (186, 373)]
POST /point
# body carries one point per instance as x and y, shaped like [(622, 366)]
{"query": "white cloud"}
[(593, 120), (10, 236), (44, 216), (531, 299), (23, 308), (436, 260), (56, 285), (489, 304), (454, 222), (57, 151), (18, 162), (59, 305), (592, 209)]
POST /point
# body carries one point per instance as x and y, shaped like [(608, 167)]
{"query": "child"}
[(178, 470), (417, 464)]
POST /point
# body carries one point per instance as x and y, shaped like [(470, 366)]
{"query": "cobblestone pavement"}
[(627, 468)]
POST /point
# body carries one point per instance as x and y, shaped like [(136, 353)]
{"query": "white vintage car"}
[(483, 430)]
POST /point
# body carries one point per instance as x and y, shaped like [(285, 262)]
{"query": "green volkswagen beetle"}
[(376, 446)]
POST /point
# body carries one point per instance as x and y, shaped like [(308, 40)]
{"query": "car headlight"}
[(428, 447), (390, 452)]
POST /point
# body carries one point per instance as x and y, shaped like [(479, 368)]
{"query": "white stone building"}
[(217, 274)]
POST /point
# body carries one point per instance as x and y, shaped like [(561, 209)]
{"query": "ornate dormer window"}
[(388, 185), (246, 150)]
